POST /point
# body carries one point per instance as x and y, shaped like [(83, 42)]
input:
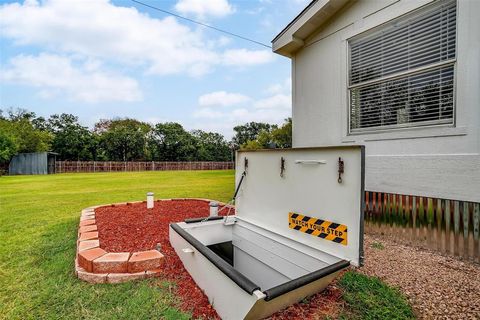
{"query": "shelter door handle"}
[(310, 161)]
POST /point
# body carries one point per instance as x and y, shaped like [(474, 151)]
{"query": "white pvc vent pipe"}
[(213, 209), (150, 199)]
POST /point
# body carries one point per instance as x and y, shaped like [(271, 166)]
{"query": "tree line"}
[(126, 139)]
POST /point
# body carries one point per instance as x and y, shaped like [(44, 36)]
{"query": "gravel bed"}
[(438, 287)]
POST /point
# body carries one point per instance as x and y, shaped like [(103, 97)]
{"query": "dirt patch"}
[(126, 228)]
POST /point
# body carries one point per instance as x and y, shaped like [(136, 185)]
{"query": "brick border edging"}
[(95, 265)]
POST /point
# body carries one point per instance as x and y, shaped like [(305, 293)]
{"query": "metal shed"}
[(298, 223), (33, 163)]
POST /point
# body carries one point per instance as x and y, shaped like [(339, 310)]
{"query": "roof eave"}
[(292, 37)]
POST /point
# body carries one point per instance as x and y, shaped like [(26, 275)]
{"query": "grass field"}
[(38, 227)]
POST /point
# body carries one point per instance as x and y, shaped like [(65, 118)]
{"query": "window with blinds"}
[(402, 73)]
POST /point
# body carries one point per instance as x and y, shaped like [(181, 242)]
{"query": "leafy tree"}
[(71, 140), (102, 126), (249, 131), (20, 114), (264, 140), (27, 138), (98, 152), (8, 148), (124, 139), (170, 142), (282, 136), (211, 146), (277, 137), (40, 123), (251, 145), (129, 139)]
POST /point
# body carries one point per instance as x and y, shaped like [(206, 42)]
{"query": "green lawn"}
[(38, 227), (369, 298)]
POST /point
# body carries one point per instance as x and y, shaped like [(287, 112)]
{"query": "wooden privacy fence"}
[(118, 166), (448, 226)]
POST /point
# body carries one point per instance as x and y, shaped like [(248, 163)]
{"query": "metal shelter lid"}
[(310, 195)]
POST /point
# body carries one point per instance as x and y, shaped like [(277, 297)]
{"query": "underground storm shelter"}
[(298, 223)]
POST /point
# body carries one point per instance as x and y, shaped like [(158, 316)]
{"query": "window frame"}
[(410, 125)]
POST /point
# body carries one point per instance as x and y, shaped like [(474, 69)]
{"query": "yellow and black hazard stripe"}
[(317, 227)]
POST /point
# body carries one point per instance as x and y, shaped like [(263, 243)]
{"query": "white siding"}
[(398, 160)]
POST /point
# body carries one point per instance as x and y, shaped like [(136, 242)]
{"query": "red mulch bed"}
[(131, 227)]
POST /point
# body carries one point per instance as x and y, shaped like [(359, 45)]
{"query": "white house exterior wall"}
[(437, 161)]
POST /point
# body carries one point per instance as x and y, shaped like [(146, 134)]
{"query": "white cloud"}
[(267, 21), (102, 31), (280, 96), (54, 74), (278, 101), (273, 108), (255, 11), (275, 89), (240, 116), (222, 98), (154, 120), (223, 122), (244, 57), (284, 87), (207, 113), (204, 8), (223, 41), (302, 3)]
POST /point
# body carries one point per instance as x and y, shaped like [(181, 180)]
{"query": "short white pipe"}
[(213, 209), (150, 202)]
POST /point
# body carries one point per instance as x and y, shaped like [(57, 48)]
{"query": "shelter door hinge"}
[(282, 167), (341, 169)]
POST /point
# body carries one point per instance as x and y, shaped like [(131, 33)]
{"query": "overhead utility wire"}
[(202, 24)]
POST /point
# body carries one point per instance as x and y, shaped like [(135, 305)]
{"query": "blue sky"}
[(103, 59)]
